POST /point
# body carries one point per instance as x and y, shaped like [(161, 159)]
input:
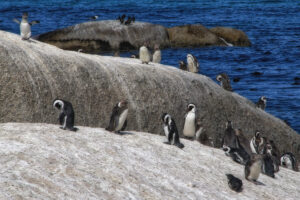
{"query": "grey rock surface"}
[(33, 74)]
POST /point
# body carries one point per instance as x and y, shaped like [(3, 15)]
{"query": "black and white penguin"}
[(253, 168), (268, 166), (234, 183), (192, 63), (67, 115), (171, 130), (262, 103), (144, 54), (156, 58), (182, 65), (118, 118), (94, 17), (272, 152), (189, 128), (132, 19), (25, 26), (238, 155), (229, 138), (288, 160), (224, 81), (128, 21), (201, 135), (243, 141), (257, 143), (121, 19)]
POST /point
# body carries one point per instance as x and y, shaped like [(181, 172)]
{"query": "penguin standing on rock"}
[(25, 26), (192, 63), (225, 81), (118, 119), (144, 54), (229, 138), (288, 160), (189, 128), (234, 183), (257, 143), (67, 115), (171, 131), (253, 168), (262, 103), (128, 21), (156, 58)]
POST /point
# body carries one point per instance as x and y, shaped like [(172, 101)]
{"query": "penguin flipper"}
[(34, 22), (61, 118), (124, 125), (17, 21)]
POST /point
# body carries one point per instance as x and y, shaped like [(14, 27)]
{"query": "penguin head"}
[(219, 78), (165, 118), (25, 15), (181, 62), (268, 149), (123, 104), (191, 107), (257, 134), (156, 47), (58, 104), (264, 99), (226, 149)]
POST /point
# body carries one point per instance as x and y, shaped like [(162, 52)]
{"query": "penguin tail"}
[(179, 145)]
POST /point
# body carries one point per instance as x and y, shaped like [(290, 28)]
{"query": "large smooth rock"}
[(107, 35), (35, 73), (231, 35), (41, 161), (192, 36)]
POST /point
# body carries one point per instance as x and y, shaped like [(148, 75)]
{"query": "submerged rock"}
[(33, 74)]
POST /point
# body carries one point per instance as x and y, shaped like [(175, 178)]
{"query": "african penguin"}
[(288, 160), (238, 155), (94, 17), (128, 21), (156, 58), (234, 183), (243, 141), (201, 135), (229, 138), (268, 167), (144, 54), (171, 131), (118, 118), (192, 63), (262, 103), (224, 81), (271, 150), (257, 143), (122, 19), (189, 128), (132, 19), (253, 168), (25, 26), (182, 65), (67, 115)]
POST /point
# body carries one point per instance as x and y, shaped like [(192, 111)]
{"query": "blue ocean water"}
[(273, 27)]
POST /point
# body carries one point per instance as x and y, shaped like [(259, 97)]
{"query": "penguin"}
[(189, 128), (25, 27), (262, 103), (144, 54), (268, 166), (257, 143), (229, 138), (67, 115), (156, 58), (238, 155), (243, 141), (128, 21), (192, 63), (224, 81), (118, 118), (171, 131), (122, 19), (288, 160), (271, 150), (253, 168), (201, 136), (234, 183), (132, 19), (94, 17), (182, 65)]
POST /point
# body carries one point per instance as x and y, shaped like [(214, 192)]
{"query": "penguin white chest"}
[(192, 66), (255, 170), (189, 125), (144, 54), (25, 30), (166, 130), (122, 119), (156, 56)]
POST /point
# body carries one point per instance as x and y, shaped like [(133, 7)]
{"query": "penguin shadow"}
[(124, 133), (29, 40), (258, 183)]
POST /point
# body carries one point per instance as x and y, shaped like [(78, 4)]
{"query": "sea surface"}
[(272, 26)]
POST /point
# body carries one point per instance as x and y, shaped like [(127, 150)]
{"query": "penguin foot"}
[(63, 128)]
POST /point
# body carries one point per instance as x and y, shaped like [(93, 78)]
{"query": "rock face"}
[(107, 35), (233, 36), (41, 161), (33, 74), (192, 36)]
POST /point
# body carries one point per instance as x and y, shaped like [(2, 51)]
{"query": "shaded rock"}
[(192, 36), (231, 35), (106, 35), (33, 74)]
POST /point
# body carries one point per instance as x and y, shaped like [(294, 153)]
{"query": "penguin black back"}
[(234, 183)]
